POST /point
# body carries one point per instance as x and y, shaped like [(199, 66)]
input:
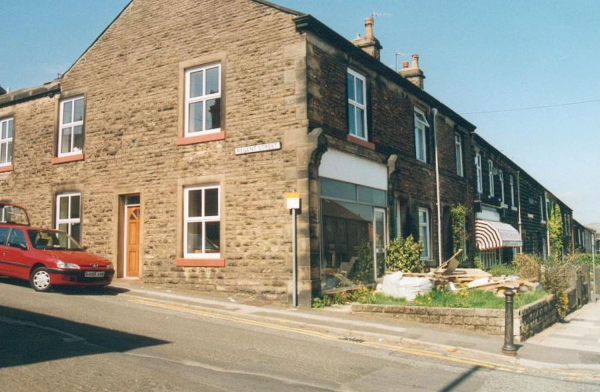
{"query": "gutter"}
[(27, 94)]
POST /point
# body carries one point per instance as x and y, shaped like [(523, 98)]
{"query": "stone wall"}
[(490, 321), (528, 320), (131, 80)]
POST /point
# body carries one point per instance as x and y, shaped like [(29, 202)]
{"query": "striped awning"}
[(495, 235)]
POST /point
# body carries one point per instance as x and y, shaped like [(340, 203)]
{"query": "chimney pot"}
[(369, 28), (369, 43), (413, 74), (415, 61)]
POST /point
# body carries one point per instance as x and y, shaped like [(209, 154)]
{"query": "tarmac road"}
[(77, 340)]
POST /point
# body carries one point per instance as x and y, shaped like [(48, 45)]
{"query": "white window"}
[(6, 141), (357, 105), (491, 177), (202, 222), (70, 136), (512, 191), (68, 214), (421, 126), (459, 155), (501, 177), (203, 100), (542, 209), (424, 233), (478, 170)]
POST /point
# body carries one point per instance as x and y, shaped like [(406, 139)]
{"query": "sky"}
[(526, 73)]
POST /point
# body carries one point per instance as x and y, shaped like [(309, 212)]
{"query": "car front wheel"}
[(40, 279)]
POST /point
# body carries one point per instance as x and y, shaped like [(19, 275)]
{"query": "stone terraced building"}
[(170, 145)]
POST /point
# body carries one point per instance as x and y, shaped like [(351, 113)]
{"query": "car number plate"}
[(94, 274)]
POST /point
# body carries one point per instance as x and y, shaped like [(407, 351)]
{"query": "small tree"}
[(404, 254), (459, 219), (555, 230)]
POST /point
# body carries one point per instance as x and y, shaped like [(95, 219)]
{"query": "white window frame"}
[(491, 177), (202, 98), (426, 242), (459, 155), (359, 106), (203, 219), (479, 171), (512, 191), (7, 141), (501, 177), (68, 221), (542, 210), (72, 125), (421, 126)]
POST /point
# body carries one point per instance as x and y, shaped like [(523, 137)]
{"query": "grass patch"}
[(463, 299)]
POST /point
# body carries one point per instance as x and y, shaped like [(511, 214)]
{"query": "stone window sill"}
[(184, 141), (7, 168), (70, 158), (360, 142), (200, 263)]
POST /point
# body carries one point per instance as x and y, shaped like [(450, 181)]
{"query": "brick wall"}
[(390, 121)]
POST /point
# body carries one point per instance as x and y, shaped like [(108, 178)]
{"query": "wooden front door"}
[(132, 242)]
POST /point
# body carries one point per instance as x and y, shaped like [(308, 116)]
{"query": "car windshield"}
[(50, 239), (13, 214)]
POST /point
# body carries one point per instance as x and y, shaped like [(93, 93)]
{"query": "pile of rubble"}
[(448, 275)]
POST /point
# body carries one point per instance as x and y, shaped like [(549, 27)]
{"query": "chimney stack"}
[(369, 43), (413, 74)]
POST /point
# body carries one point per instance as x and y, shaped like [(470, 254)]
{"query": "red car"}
[(46, 257)]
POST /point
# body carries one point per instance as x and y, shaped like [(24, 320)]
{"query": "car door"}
[(5, 268), (15, 254)]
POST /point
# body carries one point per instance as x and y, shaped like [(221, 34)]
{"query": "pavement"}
[(571, 345)]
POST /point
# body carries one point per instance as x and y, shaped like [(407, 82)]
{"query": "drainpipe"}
[(547, 231), (437, 186), (519, 199)]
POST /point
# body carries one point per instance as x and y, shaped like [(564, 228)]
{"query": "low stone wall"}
[(534, 318), (490, 321), (528, 320)]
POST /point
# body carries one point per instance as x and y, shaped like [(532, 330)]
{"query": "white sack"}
[(399, 286)]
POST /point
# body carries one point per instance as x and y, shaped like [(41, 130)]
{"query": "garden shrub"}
[(502, 269), (555, 279), (404, 254), (527, 266)]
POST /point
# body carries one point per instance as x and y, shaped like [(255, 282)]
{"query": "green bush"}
[(527, 266), (361, 295), (502, 269), (404, 254), (555, 279), (477, 262), (318, 303)]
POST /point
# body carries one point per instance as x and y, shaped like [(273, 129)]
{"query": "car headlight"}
[(62, 264), (110, 266)]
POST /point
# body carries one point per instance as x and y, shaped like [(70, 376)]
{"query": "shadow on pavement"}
[(29, 338), (69, 290)]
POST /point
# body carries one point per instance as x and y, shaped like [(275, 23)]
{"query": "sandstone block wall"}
[(130, 79)]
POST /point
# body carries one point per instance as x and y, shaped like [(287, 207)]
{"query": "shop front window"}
[(354, 234)]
